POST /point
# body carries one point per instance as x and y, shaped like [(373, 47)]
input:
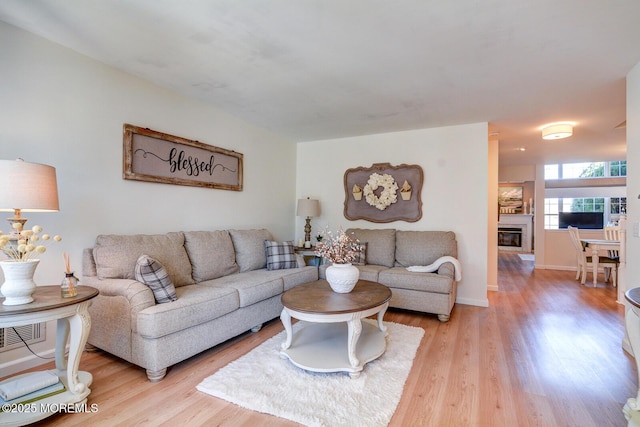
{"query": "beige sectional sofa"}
[(223, 289), (388, 254)]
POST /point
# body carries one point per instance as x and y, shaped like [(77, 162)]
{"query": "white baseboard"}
[(564, 268), (555, 267), (472, 301), (26, 362)]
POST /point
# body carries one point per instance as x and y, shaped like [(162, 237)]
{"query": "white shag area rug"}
[(263, 381)]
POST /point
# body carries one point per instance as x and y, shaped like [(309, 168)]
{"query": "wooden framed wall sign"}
[(383, 193), (158, 157)]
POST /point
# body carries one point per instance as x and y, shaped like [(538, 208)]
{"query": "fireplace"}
[(515, 233), (510, 236)]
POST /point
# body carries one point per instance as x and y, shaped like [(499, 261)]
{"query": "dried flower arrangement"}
[(339, 249), (29, 245)]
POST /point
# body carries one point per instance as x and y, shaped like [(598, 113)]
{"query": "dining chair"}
[(612, 233), (585, 262)]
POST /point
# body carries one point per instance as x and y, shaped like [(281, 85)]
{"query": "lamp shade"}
[(557, 131), (308, 207), (29, 187)]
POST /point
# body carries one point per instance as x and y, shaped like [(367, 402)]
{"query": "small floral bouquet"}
[(339, 249), (29, 244)]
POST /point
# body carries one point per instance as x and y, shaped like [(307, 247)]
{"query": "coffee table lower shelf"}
[(323, 347)]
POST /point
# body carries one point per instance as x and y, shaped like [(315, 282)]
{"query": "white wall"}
[(454, 193), (65, 110), (559, 253), (518, 173), (633, 175), (492, 217)]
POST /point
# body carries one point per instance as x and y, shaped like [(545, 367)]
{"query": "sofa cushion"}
[(195, 305), (297, 276), (251, 286), (116, 255), (367, 272), (381, 244), (150, 272), (424, 247), (280, 255), (211, 253), (399, 277), (249, 247)]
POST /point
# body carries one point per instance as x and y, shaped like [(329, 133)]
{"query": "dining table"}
[(596, 245)]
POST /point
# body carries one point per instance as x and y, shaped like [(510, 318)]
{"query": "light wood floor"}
[(547, 352)]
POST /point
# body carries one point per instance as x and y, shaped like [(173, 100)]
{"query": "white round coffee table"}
[(332, 337)]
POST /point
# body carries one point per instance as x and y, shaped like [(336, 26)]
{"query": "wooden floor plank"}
[(546, 352)]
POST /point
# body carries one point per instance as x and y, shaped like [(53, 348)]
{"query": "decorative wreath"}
[(388, 195)]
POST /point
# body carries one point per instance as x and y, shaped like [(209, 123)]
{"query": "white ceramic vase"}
[(342, 277), (18, 281)]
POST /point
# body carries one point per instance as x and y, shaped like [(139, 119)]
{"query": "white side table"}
[(309, 255), (73, 325)]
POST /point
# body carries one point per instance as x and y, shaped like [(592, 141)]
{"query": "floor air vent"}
[(30, 333)]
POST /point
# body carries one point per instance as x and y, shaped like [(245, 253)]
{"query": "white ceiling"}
[(316, 69)]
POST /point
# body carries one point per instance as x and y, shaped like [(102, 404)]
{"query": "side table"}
[(73, 325), (309, 255)]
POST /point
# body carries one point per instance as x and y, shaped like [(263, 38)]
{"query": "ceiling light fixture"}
[(557, 131)]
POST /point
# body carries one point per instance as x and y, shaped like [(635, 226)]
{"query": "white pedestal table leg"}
[(285, 317), (355, 328)]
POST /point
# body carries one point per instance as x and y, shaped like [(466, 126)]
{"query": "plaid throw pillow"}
[(150, 272), (280, 255), (361, 258)]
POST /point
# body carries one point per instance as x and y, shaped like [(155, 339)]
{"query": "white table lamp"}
[(26, 187)]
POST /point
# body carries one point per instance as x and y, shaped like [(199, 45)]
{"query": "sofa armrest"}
[(88, 263), (447, 269), (137, 294)]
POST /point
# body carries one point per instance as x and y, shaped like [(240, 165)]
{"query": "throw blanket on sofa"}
[(433, 267)]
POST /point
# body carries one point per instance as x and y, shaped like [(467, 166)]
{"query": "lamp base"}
[(17, 225), (307, 230)]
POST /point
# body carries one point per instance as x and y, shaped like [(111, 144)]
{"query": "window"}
[(618, 205), (551, 172), (585, 204), (612, 207), (551, 213), (611, 204), (585, 170), (618, 168)]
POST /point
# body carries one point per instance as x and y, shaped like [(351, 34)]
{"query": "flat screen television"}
[(584, 220)]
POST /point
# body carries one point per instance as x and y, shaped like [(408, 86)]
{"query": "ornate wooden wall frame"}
[(408, 204), (158, 157)]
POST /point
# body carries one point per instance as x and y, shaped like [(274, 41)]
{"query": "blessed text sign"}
[(158, 157)]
